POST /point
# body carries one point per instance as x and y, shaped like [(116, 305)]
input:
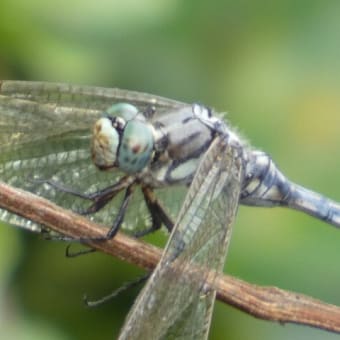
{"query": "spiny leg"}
[(157, 212), (100, 198), (115, 226), (158, 216), (70, 254), (121, 213), (99, 204), (126, 286)]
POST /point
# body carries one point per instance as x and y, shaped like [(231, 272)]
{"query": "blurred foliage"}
[(274, 66)]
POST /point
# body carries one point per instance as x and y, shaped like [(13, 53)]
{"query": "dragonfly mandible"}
[(153, 142)]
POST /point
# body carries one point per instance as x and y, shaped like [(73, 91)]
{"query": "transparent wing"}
[(45, 131), (175, 303)]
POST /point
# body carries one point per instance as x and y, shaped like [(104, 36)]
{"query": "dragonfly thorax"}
[(120, 143)]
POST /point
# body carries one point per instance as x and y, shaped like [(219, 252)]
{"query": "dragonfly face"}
[(121, 143)]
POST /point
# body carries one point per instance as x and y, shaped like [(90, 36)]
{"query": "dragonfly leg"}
[(121, 213), (100, 198), (113, 230), (126, 286), (157, 213), (60, 187), (70, 254)]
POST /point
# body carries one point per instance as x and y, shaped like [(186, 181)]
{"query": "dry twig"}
[(269, 303)]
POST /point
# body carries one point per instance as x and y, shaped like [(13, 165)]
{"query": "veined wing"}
[(57, 108), (45, 131), (175, 303)]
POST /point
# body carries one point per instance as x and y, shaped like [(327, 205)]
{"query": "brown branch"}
[(269, 303)]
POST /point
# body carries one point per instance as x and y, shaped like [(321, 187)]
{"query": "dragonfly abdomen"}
[(315, 204), (265, 185)]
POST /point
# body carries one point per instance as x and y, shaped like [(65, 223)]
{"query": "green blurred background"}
[(274, 66)]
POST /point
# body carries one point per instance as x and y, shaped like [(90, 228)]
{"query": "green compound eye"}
[(124, 110), (136, 146)]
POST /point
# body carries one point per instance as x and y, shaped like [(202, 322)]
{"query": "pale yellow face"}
[(105, 141)]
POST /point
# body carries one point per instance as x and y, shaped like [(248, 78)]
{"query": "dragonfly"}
[(156, 144)]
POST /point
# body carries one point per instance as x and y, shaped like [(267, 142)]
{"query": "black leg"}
[(70, 254), (157, 212), (121, 213), (115, 293), (116, 224), (60, 187), (100, 198)]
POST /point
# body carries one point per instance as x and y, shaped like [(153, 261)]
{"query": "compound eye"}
[(123, 110), (136, 147)]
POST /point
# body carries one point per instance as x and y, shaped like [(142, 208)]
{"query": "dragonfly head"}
[(122, 139)]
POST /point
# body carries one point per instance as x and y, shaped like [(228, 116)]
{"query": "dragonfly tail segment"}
[(265, 185)]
